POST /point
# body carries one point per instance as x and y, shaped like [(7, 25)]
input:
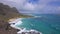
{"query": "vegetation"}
[(7, 13)]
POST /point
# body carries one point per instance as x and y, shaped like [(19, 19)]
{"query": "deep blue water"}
[(47, 23)]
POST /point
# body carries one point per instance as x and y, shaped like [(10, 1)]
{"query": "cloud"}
[(28, 6), (35, 6)]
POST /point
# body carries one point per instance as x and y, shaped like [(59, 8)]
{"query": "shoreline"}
[(15, 22), (21, 30)]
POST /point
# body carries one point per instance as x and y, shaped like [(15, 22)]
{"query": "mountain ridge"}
[(6, 13)]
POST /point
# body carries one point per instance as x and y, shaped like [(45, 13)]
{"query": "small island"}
[(6, 13)]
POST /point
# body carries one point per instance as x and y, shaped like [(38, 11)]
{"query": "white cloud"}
[(42, 6), (29, 6)]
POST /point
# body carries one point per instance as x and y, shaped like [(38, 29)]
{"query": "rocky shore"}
[(14, 22), (6, 29), (7, 13)]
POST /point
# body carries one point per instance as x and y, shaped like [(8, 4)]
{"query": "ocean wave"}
[(16, 22), (19, 22), (28, 31)]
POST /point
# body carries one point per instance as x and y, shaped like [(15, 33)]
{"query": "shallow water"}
[(47, 23)]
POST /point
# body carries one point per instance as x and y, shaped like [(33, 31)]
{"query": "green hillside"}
[(6, 12)]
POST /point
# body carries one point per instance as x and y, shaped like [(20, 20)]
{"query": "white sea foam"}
[(15, 20), (28, 31), (13, 26), (18, 22), (23, 30)]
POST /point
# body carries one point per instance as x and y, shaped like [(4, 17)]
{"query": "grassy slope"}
[(7, 13)]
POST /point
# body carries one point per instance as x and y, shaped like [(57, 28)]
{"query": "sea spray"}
[(42, 24), (16, 22), (19, 22)]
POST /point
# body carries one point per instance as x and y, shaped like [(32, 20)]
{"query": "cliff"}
[(7, 13)]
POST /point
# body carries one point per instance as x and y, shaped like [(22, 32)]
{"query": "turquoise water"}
[(47, 23)]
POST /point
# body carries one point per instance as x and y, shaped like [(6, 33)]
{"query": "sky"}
[(35, 6)]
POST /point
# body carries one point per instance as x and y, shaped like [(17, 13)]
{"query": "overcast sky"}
[(35, 6)]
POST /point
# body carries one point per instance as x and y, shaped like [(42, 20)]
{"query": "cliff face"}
[(7, 13)]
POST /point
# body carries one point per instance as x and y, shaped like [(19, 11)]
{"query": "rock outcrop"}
[(7, 13)]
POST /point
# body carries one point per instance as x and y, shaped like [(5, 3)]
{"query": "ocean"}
[(47, 23)]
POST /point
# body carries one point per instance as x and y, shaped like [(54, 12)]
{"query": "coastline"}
[(21, 30), (15, 22), (6, 13)]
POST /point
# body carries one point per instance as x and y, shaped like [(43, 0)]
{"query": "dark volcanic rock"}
[(6, 13)]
